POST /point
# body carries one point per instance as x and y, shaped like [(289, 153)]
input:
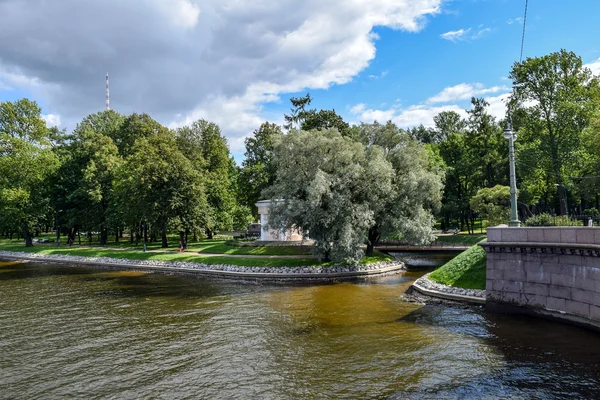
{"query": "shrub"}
[(546, 219)]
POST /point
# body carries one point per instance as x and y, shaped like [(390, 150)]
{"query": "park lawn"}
[(467, 270), (201, 246), (176, 256), (231, 247), (467, 240)]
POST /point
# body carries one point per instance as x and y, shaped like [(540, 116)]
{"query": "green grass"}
[(467, 240), (202, 246), (137, 254), (467, 270)]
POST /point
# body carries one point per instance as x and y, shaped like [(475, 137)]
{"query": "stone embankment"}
[(218, 270), (428, 287)]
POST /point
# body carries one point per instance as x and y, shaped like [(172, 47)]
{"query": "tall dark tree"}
[(26, 163), (258, 169), (554, 100)]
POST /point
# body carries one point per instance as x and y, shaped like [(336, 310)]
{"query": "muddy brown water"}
[(68, 332)]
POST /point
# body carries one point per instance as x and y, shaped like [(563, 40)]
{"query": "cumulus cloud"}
[(182, 59), (594, 66), (51, 119), (422, 114), (405, 117), (464, 91)]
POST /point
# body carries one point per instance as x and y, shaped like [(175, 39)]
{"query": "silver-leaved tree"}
[(345, 193)]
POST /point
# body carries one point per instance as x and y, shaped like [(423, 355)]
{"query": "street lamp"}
[(564, 209), (511, 136)]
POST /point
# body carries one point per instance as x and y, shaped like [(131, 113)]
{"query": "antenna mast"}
[(107, 97)]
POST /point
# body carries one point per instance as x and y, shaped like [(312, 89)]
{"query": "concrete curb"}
[(216, 273), (445, 296)]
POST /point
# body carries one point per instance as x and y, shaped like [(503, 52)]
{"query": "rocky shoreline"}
[(224, 269), (425, 290)]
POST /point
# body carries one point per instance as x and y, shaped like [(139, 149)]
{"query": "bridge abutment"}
[(548, 271)]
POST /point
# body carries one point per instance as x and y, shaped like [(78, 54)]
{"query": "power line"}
[(523, 37)]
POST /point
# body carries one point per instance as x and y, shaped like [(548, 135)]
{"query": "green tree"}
[(83, 186), (160, 186), (404, 208), (131, 129), (258, 169), (492, 204), (308, 119), (554, 100), (448, 122), (219, 193), (325, 185), (26, 162), (298, 112)]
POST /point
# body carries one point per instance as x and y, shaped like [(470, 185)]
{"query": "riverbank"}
[(427, 287), (217, 270)]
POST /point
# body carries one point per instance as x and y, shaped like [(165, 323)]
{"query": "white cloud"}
[(406, 117), (455, 35), (464, 91), (594, 66), (180, 60), (51, 119), (515, 21), (379, 76), (359, 108), (465, 34)]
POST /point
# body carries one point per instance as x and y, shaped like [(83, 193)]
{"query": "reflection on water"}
[(74, 332)]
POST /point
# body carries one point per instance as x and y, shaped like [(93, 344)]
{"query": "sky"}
[(237, 62)]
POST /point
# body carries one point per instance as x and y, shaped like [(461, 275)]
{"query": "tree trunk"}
[(372, 239), (209, 233), (90, 237), (79, 236), (165, 244), (27, 236), (117, 236), (195, 237), (182, 240), (103, 237)]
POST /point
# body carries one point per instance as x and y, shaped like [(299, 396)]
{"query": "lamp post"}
[(564, 208), (511, 136)]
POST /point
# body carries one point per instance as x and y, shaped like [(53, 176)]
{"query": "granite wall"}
[(553, 271)]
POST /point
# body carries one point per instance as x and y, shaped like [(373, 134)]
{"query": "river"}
[(70, 332)]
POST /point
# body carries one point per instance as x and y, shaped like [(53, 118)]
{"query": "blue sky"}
[(238, 63)]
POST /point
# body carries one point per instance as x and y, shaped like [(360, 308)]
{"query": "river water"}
[(70, 332)]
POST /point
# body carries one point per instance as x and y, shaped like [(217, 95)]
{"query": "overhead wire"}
[(523, 36)]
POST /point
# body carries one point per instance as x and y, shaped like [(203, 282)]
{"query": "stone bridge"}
[(548, 271)]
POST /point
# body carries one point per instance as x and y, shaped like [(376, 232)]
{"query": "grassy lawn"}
[(467, 240), (467, 270), (202, 246), (136, 254)]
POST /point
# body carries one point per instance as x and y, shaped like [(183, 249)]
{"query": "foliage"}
[(325, 186), (26, 162), (467, 270), (545, 219), (493, 204), (555, 99), (159, 185), (258, 169), (305, 119), (404, 208)]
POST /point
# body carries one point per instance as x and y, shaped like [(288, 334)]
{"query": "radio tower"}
[(107, 99)]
